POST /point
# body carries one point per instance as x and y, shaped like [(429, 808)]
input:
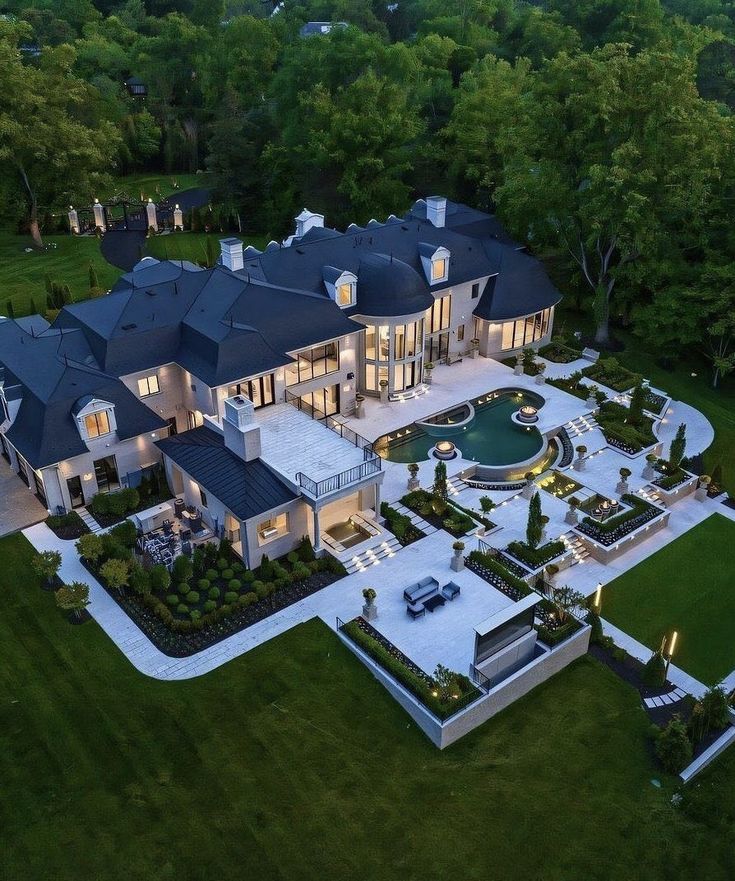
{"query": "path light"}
[(672, 645), (598, 598)]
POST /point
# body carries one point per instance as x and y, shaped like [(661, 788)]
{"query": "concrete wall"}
[(518, 684), (607, 554)]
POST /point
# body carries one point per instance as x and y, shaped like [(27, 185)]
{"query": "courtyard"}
[(235, 771), (686, 586)]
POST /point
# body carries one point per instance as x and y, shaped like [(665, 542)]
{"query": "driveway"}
[(19, 507)]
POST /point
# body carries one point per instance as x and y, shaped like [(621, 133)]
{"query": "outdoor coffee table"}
[(433, 602)]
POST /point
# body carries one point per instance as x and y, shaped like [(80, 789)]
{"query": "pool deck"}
[(465, 381)]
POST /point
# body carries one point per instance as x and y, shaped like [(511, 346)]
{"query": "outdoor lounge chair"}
[(415, 610), (450, 590)]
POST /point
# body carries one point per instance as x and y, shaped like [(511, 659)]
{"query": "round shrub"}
[(192, 596), (230, 597), (314, 565), (234, 585), (300, 571), (212, 574), (183, 588), (213, 593), (237, 567), (227, 574), (195, 614), (222, 564), (257, 585), (673, 747), (280, 583), (247, 599), (261, 589), (210, 606), (203, 584), (182, 609), (172, 599), (293, 557), (248, 576)]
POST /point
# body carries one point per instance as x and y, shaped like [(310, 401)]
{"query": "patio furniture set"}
[(427, 595)]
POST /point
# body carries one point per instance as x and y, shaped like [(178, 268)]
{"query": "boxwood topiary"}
[(210, 606), (172, 599), (203, 584), (184, 588), (222, 564), (212, 574), (230, 597), (227, 574), (248, 576), (234, 585), (195, 614), (192, 596), (213, 593), (182, 609), (237, 567), (293, 557), (247, 599)]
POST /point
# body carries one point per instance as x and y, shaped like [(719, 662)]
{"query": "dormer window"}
[(97, 424), (346, 294), (438, 269)]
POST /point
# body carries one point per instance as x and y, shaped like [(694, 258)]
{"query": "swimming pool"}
[(491, 438)]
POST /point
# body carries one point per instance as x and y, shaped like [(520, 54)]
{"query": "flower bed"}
[(208, 598), (559, 353), (67, 526), (607, 532), (654, 403), (536, 557), (410, 675), (400, 525), (612, 374), (497, 574), (441, 515)]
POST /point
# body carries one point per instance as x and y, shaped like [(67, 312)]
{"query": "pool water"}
[(492, 438)]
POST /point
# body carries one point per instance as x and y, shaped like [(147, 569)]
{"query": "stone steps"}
[(415, 392), (415, 519), (576, 546), (671, 697), (89, 521), (372, 556), (580, 425)]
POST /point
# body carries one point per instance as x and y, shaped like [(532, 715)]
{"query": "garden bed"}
[(67, 526), (400, 525), (498, 575), (559, 353), (530, 368), (409, 674), (621, 434), (571, 385), (550, 630), (210, 597), (654, 402), (611, 373), (535, 558), (608, 532), (441, 515), (671, 481)]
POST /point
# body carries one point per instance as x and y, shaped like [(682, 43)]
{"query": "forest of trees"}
[(600, 131)]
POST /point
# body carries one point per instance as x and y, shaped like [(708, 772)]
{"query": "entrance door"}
[(437, 347), (74, 487)]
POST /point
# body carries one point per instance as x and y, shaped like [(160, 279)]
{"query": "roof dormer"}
[(435, 261), (94, 417), (341, 286)]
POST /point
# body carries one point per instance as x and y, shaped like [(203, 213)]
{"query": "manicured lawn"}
[(688, 587), (154, 186), (293, 763), (193, 245), (22, 275)]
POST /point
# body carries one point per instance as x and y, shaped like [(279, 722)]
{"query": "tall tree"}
[(49, 135)]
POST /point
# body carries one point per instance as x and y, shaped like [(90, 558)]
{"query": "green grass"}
[(154, 186), (193, 245), (293, 763), (22, 275), (687, 586)]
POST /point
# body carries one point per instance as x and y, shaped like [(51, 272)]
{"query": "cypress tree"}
[(34, 310), (535, 526), (678, 446), (93, 280), (440, 481), (637, 400), (9, 309)]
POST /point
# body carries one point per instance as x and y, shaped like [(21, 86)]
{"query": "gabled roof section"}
[(247, 489)]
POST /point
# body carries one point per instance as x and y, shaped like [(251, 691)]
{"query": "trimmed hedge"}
[(501, 571), (536, 557), (420, 687)]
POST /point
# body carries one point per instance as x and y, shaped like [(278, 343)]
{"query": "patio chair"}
[(415, 610), (450, 590)]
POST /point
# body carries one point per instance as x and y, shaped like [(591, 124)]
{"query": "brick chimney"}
[(436, 210), (232, 253), (241, 429)]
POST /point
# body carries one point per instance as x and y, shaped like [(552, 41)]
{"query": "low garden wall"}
[(518, 684), (607, 553), (670, 496)]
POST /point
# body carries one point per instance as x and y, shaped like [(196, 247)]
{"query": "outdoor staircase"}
[(455, 486), (671, 697), (415, 392), (576, 546), (372, 556), (580, 425), (89, 521), (650, 494), (417, 521)]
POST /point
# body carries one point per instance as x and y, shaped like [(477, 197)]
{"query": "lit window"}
[(438, 269), (345, 294), (272, 528), (97, 424), (148, 385)]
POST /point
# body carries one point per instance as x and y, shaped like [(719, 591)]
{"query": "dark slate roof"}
[(247, 489), (388, 286), (521, 287)]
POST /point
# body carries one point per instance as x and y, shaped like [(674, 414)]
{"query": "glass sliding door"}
[(105, 470)]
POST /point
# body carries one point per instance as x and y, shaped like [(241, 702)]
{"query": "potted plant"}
[(552, 570), (369, 609), (571, 516), (530, 488), (700, 494), (359, 402), (518, 369), (457, 561), (475, 350), (544, 524), (540, 378), (383, 391), (413, 482), (591, 396), (428, 367), (579, 461), (649, 472), (622, 487)]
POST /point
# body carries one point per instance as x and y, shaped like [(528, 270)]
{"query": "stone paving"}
[(19, 507)]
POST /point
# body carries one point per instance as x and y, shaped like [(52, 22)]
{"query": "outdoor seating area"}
[(427, 595), (165, 531)]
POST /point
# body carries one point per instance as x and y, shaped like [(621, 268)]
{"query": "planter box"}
[(670, 496), (606, 553)]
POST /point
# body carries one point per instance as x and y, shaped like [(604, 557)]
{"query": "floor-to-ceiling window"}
[(259, 390), (325, 401), (525, 331), (313, 363), (105, 470), (437, 332), (393, 354)]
